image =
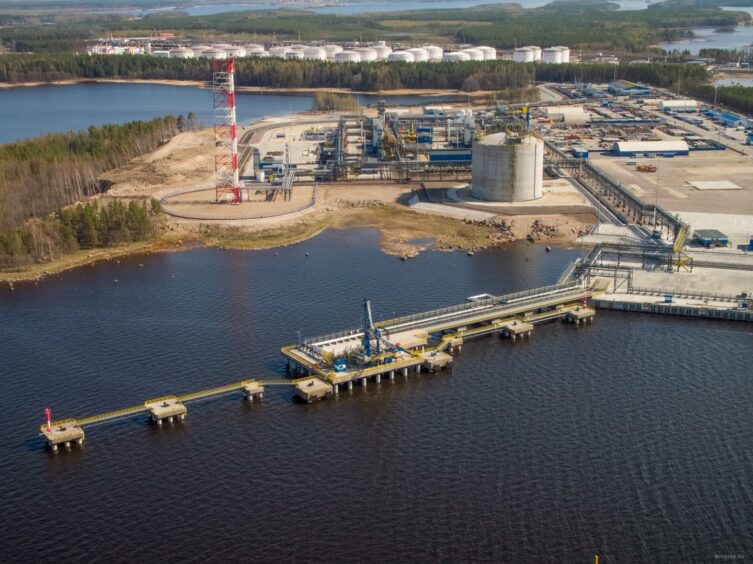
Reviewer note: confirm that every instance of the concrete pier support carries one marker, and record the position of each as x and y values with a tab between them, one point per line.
378	378
405	371
350	385
392	375
335	389
364	382
418	368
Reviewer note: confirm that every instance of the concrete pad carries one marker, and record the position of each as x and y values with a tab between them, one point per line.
714	185
312	388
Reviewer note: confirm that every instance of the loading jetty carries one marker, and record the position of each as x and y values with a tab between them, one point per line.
324	366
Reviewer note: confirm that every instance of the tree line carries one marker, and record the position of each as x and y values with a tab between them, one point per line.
278	73
85	226
40	175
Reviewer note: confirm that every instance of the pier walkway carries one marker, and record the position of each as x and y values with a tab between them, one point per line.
421	341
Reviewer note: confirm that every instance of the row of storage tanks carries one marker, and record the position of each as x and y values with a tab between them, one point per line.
379	52
533	53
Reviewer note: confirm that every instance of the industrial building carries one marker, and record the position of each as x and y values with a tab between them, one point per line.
643	148
567	115
710	238
683	106
507	168
627	88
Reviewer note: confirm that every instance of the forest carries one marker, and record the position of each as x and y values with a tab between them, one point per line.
277	73
85	226
43	174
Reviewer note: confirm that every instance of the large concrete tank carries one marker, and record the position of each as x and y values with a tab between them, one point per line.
383	52
435	53
552	55
367	54
347	57
507	169
420	54
404	56
536	50
278	51
315	53
332	50
456	57
523	55
565	53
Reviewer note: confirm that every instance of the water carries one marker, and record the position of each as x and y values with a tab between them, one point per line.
28	112
352	8
708	38
630	438
735	81
379	7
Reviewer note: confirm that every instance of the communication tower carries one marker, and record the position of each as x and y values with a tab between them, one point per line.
227	188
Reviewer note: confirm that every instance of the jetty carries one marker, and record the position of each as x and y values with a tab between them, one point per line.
324	366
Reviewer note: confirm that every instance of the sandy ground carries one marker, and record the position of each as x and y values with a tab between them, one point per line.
185	163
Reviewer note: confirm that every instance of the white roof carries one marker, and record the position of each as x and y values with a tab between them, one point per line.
651	146
678	103
552	110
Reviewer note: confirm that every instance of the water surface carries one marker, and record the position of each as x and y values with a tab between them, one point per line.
30	111
630	438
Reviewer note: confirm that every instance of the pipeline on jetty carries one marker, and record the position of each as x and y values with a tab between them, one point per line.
422	341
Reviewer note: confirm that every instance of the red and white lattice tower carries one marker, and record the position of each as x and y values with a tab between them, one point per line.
227	187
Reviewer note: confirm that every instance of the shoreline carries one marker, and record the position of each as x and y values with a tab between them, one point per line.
396	234
427	92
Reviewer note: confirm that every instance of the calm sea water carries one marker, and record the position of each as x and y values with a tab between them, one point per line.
28	112
631	438
709	38
376	7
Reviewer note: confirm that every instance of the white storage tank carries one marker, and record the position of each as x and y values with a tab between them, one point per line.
475	54
214	54
181	53
199	50
294	55
404	56
382	52
419	54
565	53
456	57
536	51
435	53
367	54
347	57
507	168
257	54
552	55
278	51
253	48
523	55
490	53
332	50
315	53
235	51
